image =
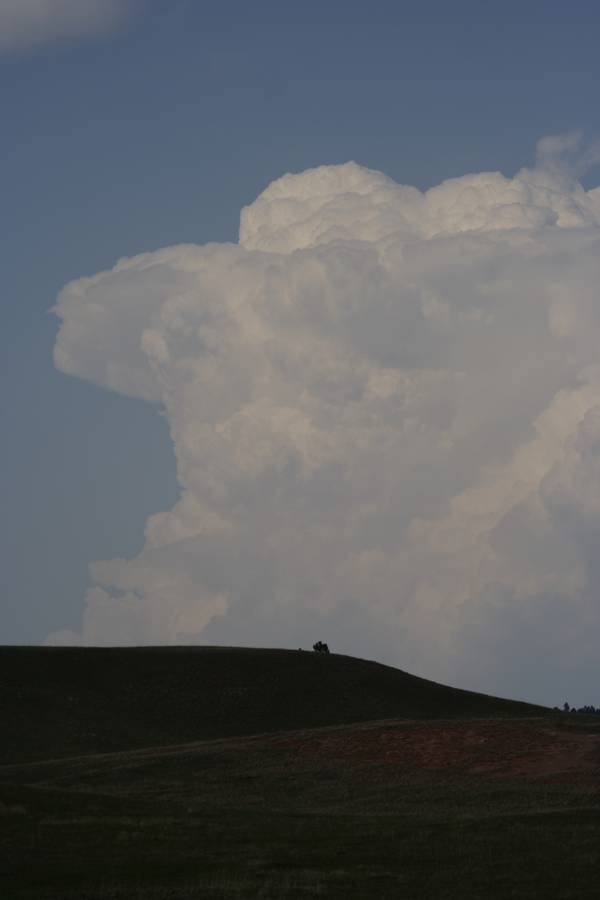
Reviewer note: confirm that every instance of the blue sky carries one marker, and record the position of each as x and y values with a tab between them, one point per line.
158	134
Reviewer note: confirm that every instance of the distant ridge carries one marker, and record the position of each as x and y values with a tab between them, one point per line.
60	701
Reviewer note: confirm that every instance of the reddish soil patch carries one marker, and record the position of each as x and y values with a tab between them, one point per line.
507	749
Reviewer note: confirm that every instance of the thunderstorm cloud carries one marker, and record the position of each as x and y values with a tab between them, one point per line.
385	411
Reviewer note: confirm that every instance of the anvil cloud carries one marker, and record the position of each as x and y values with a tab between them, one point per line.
385	410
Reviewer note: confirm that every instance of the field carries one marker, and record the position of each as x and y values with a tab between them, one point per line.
476	798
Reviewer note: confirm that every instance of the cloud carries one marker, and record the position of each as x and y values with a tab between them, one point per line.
25	24
385	411
562	156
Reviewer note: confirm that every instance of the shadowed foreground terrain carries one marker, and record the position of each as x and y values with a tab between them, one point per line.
66	701
436	794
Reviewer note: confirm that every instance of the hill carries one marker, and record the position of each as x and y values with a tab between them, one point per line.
59	702
225	773
455	809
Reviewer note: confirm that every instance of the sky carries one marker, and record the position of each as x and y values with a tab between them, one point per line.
374	420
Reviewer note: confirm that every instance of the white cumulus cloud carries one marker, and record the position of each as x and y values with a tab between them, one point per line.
29	23
385	410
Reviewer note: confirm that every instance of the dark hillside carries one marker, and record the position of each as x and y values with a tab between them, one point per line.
68	701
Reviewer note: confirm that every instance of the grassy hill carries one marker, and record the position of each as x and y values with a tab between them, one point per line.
57	702
232	774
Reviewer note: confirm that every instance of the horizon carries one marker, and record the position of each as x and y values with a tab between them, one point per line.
292	650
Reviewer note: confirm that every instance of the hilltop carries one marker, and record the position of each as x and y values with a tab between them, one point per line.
58	702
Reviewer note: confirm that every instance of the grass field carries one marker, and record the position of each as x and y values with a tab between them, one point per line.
490	805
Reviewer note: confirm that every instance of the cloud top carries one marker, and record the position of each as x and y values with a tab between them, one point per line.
26	24
349	202
384	406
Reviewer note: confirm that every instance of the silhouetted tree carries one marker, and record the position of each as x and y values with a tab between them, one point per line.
588	710
320	647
